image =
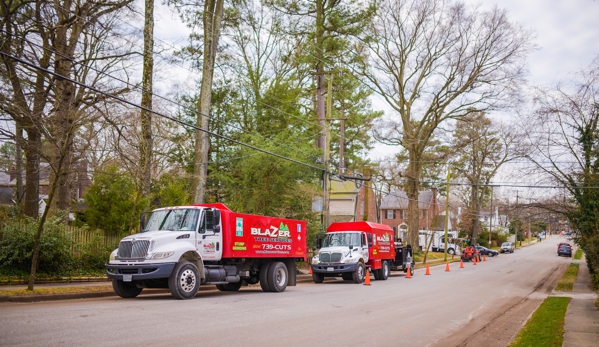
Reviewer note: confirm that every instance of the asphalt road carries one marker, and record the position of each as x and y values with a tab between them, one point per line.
445	308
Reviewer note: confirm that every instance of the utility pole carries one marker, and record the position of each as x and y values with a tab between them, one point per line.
342	140
491	216
447	214
518	216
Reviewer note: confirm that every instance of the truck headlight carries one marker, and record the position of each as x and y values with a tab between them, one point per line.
315	259
161	255
113	255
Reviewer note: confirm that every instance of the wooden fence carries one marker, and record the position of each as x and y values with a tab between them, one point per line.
82	238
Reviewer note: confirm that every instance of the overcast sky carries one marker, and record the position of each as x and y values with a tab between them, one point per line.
567	36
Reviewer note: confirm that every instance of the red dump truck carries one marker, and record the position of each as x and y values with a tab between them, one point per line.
348	248
181	247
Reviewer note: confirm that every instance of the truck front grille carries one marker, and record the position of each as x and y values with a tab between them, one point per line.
330	257
129	249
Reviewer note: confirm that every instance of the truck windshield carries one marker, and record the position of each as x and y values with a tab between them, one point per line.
341	239
175	220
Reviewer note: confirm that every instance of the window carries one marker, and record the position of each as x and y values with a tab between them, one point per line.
403	214
389	214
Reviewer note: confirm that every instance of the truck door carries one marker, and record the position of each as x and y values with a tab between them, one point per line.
210	237
364	247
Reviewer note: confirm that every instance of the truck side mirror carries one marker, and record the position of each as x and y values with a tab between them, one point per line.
216	218
143	220
318	242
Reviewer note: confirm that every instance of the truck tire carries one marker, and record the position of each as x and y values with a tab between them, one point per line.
184	282
125	289
229	287
377	274
385	271
278	277
317	278
451	251
358	275
264	277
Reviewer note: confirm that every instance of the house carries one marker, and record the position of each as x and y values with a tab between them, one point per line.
6	191
348	202
394	211
80	182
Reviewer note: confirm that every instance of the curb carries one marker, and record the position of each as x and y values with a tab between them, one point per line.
70	296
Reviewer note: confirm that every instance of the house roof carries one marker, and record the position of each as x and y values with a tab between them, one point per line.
343	190
398	200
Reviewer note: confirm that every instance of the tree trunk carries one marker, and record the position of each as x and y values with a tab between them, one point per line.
19	163
412	191
213	11
32	172
146	101
476	209
320	90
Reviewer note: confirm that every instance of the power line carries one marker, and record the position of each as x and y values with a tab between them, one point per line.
160	114
153	94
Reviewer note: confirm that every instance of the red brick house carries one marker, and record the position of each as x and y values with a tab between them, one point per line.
394	211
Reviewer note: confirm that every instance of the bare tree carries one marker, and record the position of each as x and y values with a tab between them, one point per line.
435	60
566	146
146	101
212	18
481	148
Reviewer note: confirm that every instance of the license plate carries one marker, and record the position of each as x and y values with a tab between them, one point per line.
127	278
330	269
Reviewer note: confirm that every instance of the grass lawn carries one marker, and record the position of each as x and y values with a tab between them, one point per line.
546	326
54	290
566	284
578	254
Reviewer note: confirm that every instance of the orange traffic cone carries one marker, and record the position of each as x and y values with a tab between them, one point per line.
474	260
447	266
408	275
310	272
461	264
367	278
484	257
428	270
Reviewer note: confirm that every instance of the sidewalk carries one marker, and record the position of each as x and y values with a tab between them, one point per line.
582	317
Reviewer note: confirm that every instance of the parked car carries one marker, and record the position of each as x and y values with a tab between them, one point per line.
507	247
564	250
486	251
562	243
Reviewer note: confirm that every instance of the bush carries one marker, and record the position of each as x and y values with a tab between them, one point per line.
94	255
17	241
111	202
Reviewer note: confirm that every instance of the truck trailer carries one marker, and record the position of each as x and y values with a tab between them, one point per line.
348	248
181	247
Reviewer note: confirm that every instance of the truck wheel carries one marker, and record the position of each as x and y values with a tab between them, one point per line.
385	271
317	278
264	277
358	275
229	287
377	274
125	289
450	251
278	277
184	282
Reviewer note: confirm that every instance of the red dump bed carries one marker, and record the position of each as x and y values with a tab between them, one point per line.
252	236
380	239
